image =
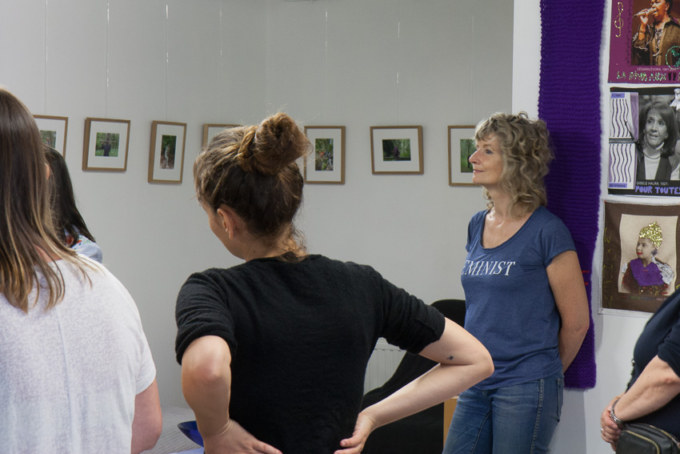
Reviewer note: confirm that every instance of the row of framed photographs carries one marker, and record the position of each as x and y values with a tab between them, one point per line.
394	149
106	140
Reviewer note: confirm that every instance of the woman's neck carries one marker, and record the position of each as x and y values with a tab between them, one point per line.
652	152
258	248
503	209
662	22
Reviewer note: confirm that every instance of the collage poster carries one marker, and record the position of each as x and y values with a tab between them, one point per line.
640	267
644	141
644	43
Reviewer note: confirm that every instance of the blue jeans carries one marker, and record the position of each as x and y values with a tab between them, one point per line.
517	419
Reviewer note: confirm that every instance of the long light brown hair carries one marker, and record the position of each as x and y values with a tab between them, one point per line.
27	238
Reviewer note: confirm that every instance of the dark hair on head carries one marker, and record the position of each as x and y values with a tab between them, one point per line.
66	218
526	154
252	170
27	237
668	117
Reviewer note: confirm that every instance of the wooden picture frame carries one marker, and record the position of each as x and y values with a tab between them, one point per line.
53	130
166	152
397	149
105	144
210	130
325	164
461	146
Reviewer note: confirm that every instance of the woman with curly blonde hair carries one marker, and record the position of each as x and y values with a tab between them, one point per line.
525	297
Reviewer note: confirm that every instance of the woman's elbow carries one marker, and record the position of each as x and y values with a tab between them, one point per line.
581	326
484	363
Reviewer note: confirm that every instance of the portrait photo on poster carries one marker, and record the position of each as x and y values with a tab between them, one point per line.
640	255
644	45
644	141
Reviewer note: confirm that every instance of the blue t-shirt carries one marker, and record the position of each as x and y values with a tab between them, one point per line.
510	307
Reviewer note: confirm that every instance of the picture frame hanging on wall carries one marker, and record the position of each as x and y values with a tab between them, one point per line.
53	130
105	144
639	278
325	164
210	130
397	149
461	147
166	153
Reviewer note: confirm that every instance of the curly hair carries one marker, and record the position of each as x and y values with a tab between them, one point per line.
252	170
526	154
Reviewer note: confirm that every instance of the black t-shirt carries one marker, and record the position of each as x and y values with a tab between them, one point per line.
300	336
661	336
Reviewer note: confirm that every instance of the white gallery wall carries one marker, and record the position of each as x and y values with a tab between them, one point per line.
357	63
615	331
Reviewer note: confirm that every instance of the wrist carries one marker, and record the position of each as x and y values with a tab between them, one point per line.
612	415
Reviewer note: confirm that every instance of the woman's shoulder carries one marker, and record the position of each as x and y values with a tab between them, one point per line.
477	219
547	218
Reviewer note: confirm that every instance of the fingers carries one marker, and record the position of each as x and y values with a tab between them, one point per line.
355	443
609	435
350	446
264	448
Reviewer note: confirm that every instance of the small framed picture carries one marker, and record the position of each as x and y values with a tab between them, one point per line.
210	130
105	144
461	147
397	149
166	155
326	162
53	131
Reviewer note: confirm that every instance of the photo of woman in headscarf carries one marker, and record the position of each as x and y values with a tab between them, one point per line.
647	275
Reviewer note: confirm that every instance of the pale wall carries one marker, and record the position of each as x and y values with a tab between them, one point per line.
615	331
355	63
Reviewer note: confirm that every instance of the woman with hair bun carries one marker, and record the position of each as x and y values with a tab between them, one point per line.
524	294
274	350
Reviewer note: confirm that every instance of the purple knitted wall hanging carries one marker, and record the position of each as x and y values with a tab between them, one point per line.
569	103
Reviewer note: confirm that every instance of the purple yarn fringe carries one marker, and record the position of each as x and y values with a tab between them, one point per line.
569	103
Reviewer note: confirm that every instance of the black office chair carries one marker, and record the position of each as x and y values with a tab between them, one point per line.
422	432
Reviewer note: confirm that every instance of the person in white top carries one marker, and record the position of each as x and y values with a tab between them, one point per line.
76	371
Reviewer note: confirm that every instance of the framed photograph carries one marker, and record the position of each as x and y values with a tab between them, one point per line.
166	155
461	147
326	162
105	144
210	130
53	131
397	149
640	255
641	158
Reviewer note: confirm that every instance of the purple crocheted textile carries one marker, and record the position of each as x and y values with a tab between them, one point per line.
569	103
